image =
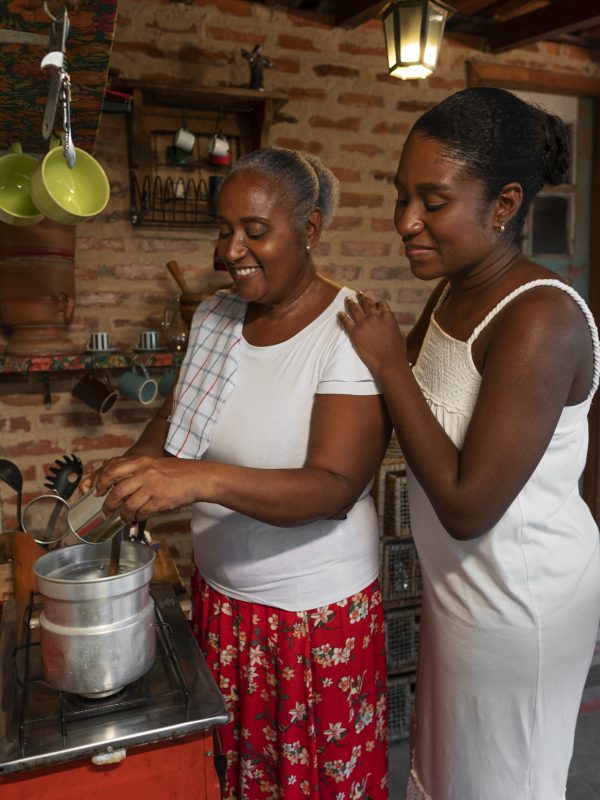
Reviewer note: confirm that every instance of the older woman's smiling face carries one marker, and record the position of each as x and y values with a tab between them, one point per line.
264	252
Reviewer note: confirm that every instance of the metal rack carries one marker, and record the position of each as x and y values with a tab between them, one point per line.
181	194
170	202
401	586
171	188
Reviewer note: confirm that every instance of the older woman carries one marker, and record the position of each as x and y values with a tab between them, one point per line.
277	428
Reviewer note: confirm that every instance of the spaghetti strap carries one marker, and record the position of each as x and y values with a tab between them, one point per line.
559	285
441	298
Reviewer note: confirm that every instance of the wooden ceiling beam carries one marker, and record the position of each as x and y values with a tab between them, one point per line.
554	20
352	13
514	8
471	6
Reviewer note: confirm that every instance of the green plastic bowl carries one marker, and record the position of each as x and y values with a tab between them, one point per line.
69	195
16	205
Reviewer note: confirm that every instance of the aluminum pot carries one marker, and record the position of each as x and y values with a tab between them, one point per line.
97	633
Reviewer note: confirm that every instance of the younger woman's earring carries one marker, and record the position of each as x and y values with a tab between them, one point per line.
308	248
499	228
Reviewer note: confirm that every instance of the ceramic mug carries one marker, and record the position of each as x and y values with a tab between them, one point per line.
16	205
69	195
165	384
218	145
98	395
138	385
175	156
148	341
218	150
99	342
184	140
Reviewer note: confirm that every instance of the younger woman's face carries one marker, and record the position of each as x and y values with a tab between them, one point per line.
446	226
265	254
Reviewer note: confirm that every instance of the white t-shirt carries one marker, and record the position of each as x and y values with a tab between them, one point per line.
265	423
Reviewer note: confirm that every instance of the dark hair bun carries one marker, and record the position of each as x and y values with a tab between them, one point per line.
556	151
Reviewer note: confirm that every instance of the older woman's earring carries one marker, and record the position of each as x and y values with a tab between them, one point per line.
499	228
308	248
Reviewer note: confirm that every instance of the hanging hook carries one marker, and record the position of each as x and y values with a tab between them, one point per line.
219	122
55	59
48	12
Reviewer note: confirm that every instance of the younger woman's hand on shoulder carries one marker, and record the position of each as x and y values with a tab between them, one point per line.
374	333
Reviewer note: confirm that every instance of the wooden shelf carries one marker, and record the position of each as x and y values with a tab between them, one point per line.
242	115
73	362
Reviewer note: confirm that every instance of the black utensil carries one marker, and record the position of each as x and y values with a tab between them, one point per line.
11	475
65	477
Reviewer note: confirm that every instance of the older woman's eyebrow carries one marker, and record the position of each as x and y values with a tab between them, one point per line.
245	220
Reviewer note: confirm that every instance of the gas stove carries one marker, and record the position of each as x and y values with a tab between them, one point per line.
40	726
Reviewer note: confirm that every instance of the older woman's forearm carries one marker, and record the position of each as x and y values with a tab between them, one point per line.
152	440
282	497
143	485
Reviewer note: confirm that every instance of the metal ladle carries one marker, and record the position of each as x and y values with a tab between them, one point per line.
69	148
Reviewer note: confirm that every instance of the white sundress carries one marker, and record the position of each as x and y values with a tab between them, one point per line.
510	618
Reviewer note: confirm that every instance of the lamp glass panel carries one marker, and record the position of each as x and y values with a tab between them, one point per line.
390	40
410	34
436	18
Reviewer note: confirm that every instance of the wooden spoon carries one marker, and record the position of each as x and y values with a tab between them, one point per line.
175	271
115	553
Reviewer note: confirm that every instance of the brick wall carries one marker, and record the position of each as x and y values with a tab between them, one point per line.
342	106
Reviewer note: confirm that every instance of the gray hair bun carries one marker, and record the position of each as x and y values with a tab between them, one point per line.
306	182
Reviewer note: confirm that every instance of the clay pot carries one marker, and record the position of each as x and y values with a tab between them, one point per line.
188	301
37	287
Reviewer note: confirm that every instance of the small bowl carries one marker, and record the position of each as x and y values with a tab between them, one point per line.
16	205
69	195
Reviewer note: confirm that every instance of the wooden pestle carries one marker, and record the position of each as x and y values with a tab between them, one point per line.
175	271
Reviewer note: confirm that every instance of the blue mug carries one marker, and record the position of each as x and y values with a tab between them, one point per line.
138	385
165	384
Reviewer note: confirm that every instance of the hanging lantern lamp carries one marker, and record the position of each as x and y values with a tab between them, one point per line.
413	31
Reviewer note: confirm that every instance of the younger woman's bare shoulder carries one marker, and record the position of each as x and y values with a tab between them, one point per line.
546	325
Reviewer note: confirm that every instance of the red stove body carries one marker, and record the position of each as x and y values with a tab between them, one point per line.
175	771
151	741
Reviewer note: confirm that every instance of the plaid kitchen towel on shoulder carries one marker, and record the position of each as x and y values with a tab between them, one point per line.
207	375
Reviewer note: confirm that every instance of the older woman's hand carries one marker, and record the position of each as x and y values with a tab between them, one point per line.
143	485
375	334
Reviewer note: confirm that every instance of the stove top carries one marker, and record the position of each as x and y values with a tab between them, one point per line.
40	726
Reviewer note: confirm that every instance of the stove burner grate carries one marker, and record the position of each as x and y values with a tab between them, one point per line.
163	686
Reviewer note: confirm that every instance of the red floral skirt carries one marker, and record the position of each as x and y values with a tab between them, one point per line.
307	694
